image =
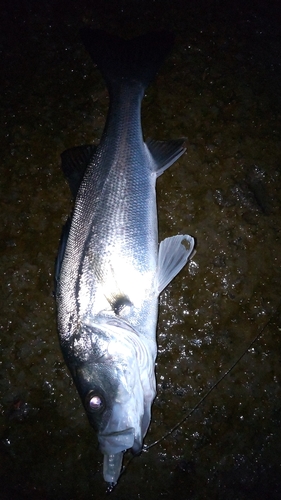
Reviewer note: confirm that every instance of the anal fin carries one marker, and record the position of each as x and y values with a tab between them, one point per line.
165	153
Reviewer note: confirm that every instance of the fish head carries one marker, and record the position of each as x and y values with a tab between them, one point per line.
113	370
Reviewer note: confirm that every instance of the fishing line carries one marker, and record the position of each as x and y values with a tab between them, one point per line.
147	447
259	334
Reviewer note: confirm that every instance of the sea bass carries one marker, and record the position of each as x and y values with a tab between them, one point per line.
110	269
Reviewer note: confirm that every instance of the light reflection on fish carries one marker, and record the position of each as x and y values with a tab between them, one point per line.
110	269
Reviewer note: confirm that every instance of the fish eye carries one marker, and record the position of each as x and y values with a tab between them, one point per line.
94	402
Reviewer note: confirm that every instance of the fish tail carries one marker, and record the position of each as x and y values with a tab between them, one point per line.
120	61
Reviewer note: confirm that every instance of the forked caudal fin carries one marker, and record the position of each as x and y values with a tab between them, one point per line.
127	61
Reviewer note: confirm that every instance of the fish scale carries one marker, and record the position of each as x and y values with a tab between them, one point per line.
110	269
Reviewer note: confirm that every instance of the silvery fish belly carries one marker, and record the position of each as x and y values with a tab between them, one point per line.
110	269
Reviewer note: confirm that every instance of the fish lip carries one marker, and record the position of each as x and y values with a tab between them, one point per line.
136	449
116	442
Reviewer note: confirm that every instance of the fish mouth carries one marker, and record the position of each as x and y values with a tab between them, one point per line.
115	442
113	446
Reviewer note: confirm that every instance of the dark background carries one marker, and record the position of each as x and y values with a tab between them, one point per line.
220	88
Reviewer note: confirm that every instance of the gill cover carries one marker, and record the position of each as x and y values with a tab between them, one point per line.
117	387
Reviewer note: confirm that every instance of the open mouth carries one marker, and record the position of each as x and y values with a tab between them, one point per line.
113	446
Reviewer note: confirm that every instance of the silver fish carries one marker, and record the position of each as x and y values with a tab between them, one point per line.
110	269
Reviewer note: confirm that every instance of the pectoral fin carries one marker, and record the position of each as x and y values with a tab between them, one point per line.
173	254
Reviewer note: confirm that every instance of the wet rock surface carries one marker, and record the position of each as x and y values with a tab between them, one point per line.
220	88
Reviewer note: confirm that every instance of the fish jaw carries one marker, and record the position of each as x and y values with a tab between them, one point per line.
112	467
114	444
117	387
